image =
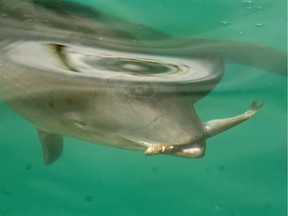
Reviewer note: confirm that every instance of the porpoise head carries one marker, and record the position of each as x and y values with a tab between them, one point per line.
80	75
155	117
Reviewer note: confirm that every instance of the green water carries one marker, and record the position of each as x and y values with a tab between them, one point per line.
244	171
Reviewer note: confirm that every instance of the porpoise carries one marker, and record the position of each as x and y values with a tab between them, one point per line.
73	72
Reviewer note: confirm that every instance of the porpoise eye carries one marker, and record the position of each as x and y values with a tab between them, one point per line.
51	104
79	123
69	101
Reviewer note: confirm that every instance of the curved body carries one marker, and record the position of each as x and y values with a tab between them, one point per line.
75	71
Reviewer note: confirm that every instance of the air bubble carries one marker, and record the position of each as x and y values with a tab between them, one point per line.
259	25
248	2
241	33
259	8
225	22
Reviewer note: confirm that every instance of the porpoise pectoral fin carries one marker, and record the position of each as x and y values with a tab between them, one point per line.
151	148
195	150
52	145
214	127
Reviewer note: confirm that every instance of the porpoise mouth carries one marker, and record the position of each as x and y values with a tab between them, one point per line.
194	150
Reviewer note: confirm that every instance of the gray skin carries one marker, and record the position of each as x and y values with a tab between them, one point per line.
156	117
148	121
131	115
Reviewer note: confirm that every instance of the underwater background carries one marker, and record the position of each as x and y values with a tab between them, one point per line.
244	171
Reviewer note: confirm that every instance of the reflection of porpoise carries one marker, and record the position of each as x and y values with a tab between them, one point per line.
117	92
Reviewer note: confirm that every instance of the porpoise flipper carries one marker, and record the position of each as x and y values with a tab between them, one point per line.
52	145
